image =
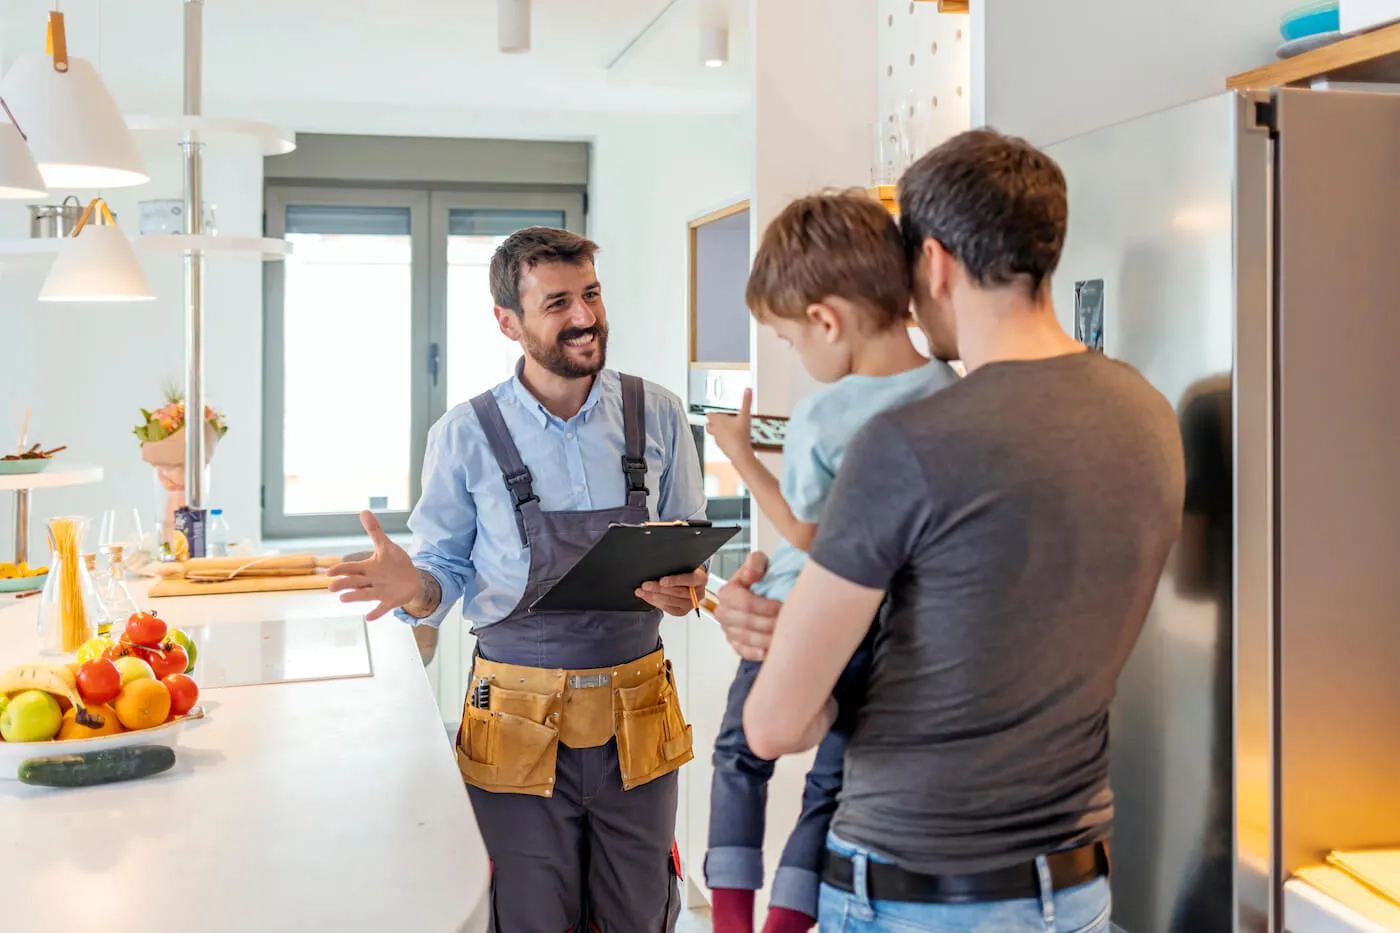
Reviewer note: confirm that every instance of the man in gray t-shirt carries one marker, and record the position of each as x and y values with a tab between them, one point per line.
1019	523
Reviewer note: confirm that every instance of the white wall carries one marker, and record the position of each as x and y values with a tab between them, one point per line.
1054	70
649	176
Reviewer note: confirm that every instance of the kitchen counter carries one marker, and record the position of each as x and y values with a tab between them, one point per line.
324	805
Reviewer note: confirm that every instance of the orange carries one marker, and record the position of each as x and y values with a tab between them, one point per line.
70	729
143	704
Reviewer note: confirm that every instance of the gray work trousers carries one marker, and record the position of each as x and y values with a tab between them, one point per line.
590	857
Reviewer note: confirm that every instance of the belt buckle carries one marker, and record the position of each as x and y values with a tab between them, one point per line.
586	681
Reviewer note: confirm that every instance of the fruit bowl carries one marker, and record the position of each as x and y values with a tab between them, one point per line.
23	584
13	754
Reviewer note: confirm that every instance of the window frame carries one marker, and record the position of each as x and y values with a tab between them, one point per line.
430	208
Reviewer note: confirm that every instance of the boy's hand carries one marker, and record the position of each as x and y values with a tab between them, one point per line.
733	433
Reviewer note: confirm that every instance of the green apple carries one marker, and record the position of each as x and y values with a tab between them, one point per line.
184	641
4	702
32	716
133	669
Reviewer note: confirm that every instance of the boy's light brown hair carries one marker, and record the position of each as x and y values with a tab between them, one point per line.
843	244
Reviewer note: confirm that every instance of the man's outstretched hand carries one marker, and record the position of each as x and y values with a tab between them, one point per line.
388	577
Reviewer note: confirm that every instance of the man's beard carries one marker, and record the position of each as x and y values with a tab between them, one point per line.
555	357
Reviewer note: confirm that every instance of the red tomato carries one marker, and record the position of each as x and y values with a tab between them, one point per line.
144	628
99	681
184	693
116	650
173	661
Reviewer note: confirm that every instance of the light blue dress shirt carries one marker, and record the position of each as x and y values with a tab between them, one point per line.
818	433
464	529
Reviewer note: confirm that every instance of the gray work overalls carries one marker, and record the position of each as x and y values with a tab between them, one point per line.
586	851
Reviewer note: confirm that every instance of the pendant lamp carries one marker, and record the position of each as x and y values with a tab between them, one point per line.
74	127
96	263
19	174
513	25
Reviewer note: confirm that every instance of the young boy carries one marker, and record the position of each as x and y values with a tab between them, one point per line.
832	280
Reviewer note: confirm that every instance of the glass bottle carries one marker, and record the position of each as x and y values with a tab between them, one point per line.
69	608
112	589
102	622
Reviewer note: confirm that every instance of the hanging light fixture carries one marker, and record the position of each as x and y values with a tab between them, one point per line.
513	25
714	44
19	173
96	263
74	127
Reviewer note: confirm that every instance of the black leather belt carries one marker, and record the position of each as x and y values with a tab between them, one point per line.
1068	869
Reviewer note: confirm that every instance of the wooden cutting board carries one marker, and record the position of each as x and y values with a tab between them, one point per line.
183	587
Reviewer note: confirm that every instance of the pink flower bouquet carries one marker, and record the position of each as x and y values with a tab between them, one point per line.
162	436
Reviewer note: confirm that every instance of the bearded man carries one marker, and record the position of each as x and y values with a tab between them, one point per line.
575	797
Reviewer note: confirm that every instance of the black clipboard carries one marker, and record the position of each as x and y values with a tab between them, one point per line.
626	556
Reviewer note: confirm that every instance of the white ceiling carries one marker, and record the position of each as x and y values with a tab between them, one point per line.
418	54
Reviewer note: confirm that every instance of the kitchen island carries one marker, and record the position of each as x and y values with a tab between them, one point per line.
319	805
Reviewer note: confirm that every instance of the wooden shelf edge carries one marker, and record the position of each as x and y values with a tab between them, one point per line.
950	6
737	367
1356	52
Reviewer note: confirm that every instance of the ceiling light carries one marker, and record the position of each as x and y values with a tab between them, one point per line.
714	45
19	174
73	126
513	26
96	264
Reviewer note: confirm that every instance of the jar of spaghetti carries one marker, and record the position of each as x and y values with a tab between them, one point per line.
69	609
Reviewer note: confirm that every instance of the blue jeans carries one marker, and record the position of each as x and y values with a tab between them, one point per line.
1084	909
739	796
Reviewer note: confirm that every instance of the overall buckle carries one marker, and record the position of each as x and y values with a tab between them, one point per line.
522	487
636	470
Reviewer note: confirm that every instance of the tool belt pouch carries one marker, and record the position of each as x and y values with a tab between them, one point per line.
511	747
653	738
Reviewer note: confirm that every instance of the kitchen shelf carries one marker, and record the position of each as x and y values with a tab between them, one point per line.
272	140
737	367
1370	58
178	242
50	478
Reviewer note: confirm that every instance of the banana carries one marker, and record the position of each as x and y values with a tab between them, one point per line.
50	678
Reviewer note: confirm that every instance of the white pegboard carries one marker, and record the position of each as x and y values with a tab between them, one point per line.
925	63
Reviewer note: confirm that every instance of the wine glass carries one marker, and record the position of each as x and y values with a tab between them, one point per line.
122	527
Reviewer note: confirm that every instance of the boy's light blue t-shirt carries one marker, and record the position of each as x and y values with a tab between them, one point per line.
820	429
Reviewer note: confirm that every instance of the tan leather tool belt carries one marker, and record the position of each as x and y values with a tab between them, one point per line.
511	745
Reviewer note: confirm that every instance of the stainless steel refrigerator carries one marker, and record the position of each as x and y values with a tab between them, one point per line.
1243	252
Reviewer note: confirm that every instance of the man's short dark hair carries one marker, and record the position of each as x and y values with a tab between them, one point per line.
525	249
996	203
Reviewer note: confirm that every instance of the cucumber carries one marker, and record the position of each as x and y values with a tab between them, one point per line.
89	768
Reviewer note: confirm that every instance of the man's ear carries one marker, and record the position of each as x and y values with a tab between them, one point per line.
509	322
826	319
938	264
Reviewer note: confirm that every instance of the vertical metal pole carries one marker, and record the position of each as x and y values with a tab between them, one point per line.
193	151
21	525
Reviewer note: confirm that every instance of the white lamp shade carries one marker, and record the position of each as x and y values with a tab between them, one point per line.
19	173
75	129
98	264
513	25
714	45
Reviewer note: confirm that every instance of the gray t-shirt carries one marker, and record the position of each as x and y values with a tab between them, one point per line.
1020	521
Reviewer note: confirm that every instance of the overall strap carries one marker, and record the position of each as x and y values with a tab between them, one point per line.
513	469
634	422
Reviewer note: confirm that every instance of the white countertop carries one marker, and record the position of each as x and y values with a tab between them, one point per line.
326	805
